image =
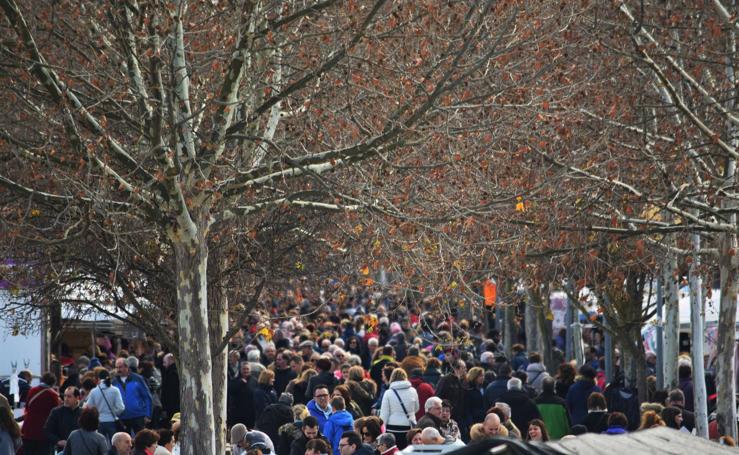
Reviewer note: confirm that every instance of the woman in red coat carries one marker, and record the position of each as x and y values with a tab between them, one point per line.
39	403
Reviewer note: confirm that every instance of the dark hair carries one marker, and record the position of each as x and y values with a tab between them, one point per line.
542	426
433	362
618	418
566	373
518	348
676	395
352	438
88	384
310	421
318	445
547	384
577	430
534	357
684	371
668	415
587	371
596	400
104	376
338	403
323	364
48	379
75	391
373	425
165	436
522	375
387	350
8	423
145	438
89	419
411	434
504	371
446	404
319	386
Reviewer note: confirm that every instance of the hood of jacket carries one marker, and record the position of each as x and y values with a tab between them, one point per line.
342	418
400	385
416	381
536	368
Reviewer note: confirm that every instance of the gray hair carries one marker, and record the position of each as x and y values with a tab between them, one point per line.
386	439
355	360
253	356
431	402
133	363
430	433
515	384
118	437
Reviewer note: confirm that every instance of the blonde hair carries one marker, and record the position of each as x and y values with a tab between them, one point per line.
474	373
398	374
265	376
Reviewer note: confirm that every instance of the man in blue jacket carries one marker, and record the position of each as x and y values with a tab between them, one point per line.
136	397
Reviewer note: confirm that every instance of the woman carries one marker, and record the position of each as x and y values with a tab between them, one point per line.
351	405
317	447
399	407
673	417
363	390
537	431
473	399
264	394
597	419
145	442
299	386
650	419
565	378
10	432
109	403
86	440
371	430
414	437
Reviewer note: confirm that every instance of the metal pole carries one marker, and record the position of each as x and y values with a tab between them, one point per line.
660	336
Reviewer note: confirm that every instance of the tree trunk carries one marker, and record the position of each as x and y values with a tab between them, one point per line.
218	322
670	281
196	386
639	366
725	364
530	310
697	332
544	328
509	326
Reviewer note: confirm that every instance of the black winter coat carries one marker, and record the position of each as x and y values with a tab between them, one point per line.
272	418
523	408
61	422
171	390
241	402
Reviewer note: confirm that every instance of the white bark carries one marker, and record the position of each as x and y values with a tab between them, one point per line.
671	321
697	318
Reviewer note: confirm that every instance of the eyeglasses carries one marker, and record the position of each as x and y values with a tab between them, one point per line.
341	446
324	395
365	434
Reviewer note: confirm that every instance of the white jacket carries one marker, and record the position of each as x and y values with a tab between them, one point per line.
109	409
391	411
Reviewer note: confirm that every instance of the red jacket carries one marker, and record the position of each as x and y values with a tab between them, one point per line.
425	391
41	400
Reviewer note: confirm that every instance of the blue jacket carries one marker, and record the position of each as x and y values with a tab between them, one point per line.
615	429
519	362
136	396
495	390
337	424
318	414
577	399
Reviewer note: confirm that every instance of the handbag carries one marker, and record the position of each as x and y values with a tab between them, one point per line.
118	424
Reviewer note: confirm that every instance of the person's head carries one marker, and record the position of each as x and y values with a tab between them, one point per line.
491	425
504	371
446	411
299	411
121	367
433	406
727	441
414	436
547	385
596	402
398	374
270	351
338	403
676	398
431	435
71	397
577	430
537	431
245	370
317	447
133	363
515	384
459	368
618	419
166	439
385	441
356	373
684	371
310	427
238	433
566	372
323	364
321	396
168	360
475	376
122	443
673	417
146	439
518	348
282	360
587	372
89	419
349	443
371	429
342	390
48	379
651	419
534	357
266	377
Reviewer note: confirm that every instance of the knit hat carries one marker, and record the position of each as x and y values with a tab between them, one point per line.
395	328
238	432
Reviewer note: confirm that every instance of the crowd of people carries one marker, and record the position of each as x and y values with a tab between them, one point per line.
354	379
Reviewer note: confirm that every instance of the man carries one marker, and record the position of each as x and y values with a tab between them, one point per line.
306	350
324	377
319	406
386	444
166	442
24	385
553	409
431	436
388	355
269	353
310	431
351	444
536	372
41	400
283	373
63	419
234	358
676	399
296	364
136	396
498	386
491	425
450	388
121	444
170	394
523	409
241	397
432	415
685	376
276	415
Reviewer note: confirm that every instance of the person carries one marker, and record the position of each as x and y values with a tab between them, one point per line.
474	398
523	408
536	372
170	390
565	378
237	439
121	444
319	407
318	447
309	431
399	406
451	388
431	436
24	386
166	442
10	433
338	423
343	391
432	414
276	415
491	425
363	390
324	378
597	419
685	378
351	444
449	428
537	431
503	410
109	403
414	437
283	373
676	399
553	409
145	442
651	419
86	440
498	386
299	385
617	424
423	389
432	373
386	444
41	400
240	396
63	419
673	417
370	428
135	394
264	395
577	396
289	432
519	362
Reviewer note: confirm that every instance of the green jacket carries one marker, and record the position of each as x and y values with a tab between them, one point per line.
553	410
